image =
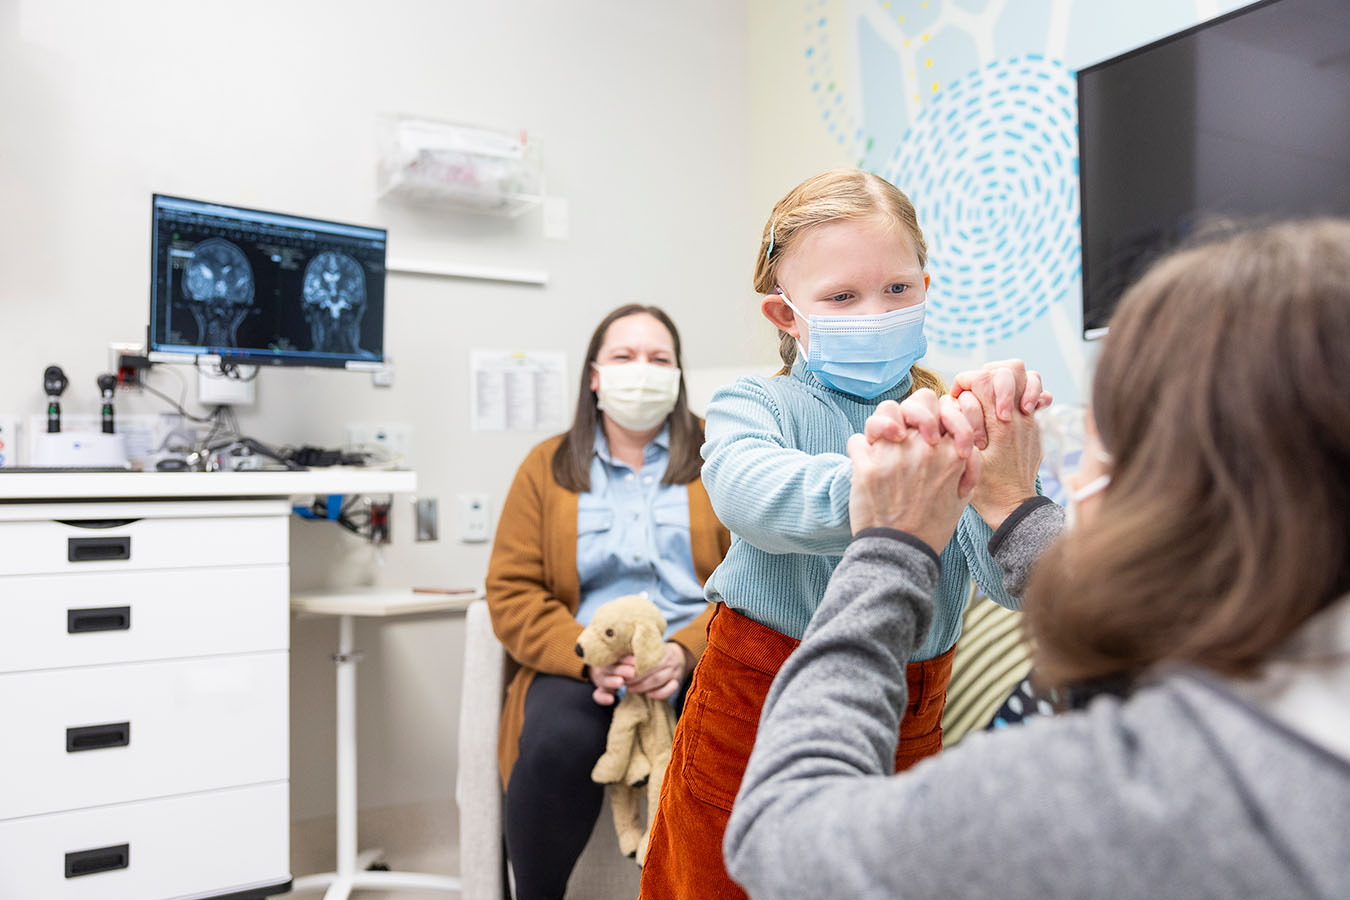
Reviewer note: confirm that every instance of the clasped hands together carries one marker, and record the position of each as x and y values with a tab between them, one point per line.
919	462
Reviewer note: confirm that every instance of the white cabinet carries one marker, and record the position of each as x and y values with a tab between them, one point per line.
144	698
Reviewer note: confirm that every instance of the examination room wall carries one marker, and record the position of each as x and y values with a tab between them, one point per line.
642	115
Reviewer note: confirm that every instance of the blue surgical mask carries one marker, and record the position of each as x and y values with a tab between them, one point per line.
864	356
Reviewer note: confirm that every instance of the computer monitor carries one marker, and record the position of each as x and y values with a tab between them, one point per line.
255	287
1242	118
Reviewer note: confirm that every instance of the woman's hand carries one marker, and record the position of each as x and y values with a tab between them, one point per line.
907	482
608	679
995	391
658	682
1005	431
663	679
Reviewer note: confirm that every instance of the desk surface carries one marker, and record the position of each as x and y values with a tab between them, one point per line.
58	485
384	601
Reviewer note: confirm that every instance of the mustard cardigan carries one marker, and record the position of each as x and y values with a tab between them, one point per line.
533	589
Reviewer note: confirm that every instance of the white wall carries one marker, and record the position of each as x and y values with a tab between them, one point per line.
642	113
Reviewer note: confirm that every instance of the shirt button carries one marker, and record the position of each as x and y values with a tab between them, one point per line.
648	479
637	558
628	477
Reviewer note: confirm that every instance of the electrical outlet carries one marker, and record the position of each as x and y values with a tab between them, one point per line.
217	389
385	442
128	378
474	523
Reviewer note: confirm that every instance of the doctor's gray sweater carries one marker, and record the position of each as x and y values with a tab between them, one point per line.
1184	790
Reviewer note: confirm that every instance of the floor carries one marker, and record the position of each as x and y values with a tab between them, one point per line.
416	838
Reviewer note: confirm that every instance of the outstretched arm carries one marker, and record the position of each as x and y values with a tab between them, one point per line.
780	499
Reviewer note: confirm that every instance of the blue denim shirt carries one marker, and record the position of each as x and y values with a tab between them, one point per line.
633	536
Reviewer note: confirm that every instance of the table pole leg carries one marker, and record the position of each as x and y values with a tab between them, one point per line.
346	660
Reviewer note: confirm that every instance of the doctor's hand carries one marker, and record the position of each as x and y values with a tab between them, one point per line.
663	679
912	485
1006	432
995	392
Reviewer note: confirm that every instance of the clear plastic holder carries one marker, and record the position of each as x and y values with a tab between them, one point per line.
458	166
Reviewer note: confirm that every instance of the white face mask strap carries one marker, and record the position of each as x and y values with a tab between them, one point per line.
792	306
1095	486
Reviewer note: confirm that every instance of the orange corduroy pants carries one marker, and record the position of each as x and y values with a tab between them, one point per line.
712	746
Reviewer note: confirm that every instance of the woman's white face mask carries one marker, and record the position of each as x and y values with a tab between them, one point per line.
1094	473
637	395
1092	488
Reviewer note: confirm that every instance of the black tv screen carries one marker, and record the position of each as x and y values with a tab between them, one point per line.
250	286
1242	118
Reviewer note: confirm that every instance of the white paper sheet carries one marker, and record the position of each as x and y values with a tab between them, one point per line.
518	391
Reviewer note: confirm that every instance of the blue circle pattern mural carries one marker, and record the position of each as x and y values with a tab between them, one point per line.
970	107
991	163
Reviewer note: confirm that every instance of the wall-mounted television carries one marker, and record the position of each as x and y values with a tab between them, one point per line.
1242	118
248	286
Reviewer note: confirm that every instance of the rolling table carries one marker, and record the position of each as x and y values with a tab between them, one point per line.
352	865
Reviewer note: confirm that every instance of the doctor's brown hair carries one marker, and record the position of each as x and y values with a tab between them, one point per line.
828	197
1223	396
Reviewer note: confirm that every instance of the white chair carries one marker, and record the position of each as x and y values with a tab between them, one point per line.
601	873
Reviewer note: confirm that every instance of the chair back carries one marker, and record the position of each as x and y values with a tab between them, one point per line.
602	872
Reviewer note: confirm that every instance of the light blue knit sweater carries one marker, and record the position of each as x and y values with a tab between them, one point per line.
775	469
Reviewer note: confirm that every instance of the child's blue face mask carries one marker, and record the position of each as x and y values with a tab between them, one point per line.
864	356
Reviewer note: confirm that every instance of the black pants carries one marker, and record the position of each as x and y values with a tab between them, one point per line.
551	802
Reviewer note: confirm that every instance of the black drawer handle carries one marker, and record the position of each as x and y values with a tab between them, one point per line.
100	859
97	523
95	549
98	737
98	618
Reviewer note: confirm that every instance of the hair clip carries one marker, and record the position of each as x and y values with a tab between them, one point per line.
768	253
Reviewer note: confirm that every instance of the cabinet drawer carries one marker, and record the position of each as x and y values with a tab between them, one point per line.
108	734
94	618
200	845
117	544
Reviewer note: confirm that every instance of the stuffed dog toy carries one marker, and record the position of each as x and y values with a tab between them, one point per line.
642	730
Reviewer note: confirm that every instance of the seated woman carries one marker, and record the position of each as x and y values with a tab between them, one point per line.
1206	575
613	506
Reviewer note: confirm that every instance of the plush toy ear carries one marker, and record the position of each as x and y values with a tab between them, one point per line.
648	647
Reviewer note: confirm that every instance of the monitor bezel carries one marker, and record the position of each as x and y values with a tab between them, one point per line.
1097	332
167	353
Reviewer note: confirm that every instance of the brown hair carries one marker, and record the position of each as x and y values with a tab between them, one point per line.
1223	396
827	197
572	459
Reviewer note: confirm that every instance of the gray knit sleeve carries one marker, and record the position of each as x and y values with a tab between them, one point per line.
1023	538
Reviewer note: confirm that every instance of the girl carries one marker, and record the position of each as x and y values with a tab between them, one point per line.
841	271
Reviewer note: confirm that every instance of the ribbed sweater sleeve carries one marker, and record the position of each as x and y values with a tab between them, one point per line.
537	627
775	497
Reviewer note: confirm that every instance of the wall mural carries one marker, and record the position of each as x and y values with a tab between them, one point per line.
970	107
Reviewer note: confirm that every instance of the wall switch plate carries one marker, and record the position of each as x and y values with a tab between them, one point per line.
384	375
217	389
474	523
9	441
386	442
427	529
